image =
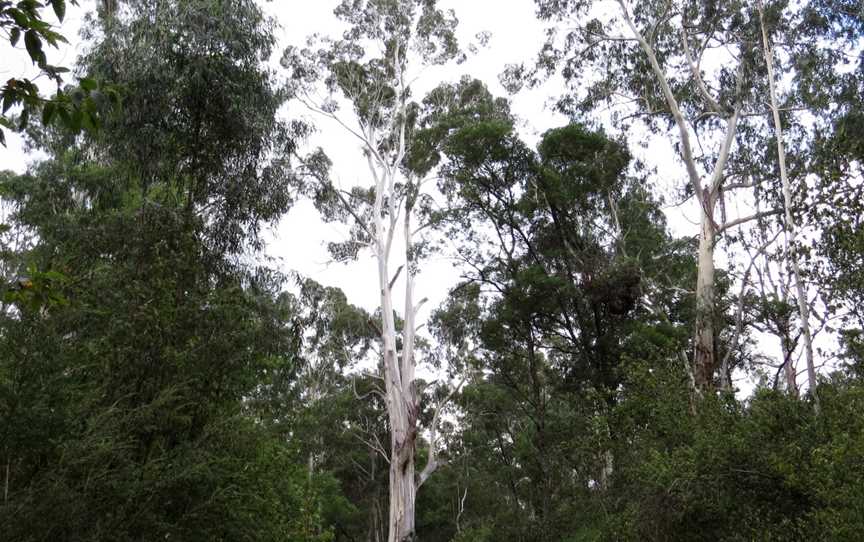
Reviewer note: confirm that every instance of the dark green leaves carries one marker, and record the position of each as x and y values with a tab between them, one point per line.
36	290
220	145
48	113
25	18
8	101
33	43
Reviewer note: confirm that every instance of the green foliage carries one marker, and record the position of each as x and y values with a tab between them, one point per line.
137	342
550	313
741	472
218	149
74	108
770	469
36	290
148	368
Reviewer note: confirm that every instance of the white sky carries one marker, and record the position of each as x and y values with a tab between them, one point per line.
299	240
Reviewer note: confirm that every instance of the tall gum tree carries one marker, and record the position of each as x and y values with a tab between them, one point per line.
151	333
682	66
363	83
790	230
805	57
556	299
697	71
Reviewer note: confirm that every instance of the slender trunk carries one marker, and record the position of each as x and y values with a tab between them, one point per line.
790	230
403	483
377	523
460	509
704	358
402	409
402	427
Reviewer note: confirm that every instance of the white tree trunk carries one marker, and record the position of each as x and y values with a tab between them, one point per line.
402	496
791	229
392	201
402	406
704	359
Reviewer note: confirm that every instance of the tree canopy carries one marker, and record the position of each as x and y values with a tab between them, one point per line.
596	372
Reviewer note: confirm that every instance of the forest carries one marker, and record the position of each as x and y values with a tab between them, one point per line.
635	345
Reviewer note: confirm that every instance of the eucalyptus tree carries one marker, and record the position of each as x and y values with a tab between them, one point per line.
364	82
790	227
557	212
693	68
225	159
135	379
811	65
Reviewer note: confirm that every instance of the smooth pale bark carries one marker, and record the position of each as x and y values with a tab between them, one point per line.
400	389
401	401
704	359
790	232
461	509
398	374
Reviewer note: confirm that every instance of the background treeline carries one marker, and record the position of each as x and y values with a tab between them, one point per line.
159	380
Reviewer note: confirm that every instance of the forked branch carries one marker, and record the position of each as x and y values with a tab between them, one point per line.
433	462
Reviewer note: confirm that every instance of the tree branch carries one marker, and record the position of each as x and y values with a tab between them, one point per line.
432	463
697	76
739	314
671	102
742	220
